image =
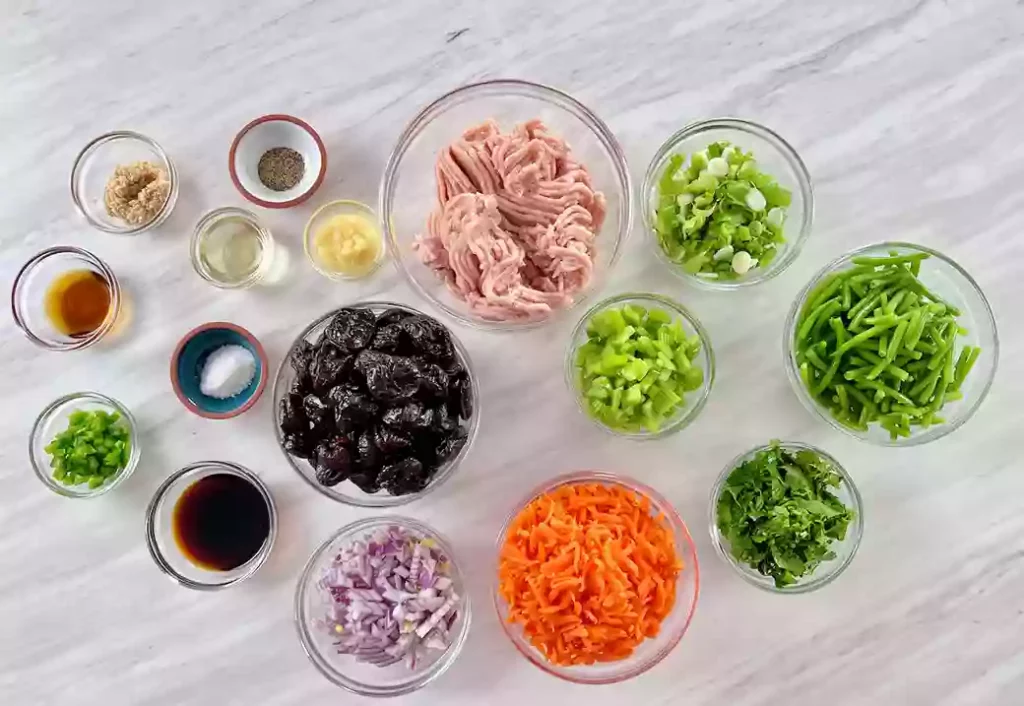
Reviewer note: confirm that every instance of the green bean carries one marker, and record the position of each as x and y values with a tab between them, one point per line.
876	346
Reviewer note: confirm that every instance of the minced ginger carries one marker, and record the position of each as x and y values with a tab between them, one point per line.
136	192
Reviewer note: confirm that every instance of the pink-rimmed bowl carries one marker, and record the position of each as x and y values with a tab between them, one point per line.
652	650
190	356
267	132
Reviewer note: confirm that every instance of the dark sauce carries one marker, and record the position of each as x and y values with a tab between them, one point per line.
220	522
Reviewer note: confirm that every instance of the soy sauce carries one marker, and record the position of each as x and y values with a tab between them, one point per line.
220	522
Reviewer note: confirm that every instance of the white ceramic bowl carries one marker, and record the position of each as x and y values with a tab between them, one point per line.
265	133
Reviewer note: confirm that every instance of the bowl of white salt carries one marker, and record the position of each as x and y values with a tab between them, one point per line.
218	370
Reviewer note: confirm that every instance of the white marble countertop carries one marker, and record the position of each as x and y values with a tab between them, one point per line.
908	115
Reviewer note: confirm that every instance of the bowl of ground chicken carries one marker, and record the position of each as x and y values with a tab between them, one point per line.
124	183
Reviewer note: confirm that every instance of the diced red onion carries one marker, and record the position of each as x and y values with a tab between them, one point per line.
391	598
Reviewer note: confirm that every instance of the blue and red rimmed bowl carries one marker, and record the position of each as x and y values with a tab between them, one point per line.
190	356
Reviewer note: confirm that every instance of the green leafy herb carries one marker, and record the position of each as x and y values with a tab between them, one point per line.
779	514
719	216
92	450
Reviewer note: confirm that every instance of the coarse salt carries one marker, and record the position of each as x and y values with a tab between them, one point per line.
228	370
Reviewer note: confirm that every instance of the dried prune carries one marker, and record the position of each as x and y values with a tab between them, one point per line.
333	461
460	396
433	380
367	454
389	442
428	336
410	417
301	357
317	412
366	482
388	339
390	316
449	446
351	330
405	476
299	443
352	407
389	378
329	367
292	414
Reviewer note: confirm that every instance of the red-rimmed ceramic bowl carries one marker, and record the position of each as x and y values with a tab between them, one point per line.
190	356
265	133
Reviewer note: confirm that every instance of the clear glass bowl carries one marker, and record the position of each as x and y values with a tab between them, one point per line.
205	232
693	401
346	491
160	528
408	191
28	297
652	650
951	282
344	670
827	571
54	419
96	163
324	214
774	156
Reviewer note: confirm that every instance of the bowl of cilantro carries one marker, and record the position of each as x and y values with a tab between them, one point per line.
786	516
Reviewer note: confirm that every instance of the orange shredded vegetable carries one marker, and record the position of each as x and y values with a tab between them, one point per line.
588	572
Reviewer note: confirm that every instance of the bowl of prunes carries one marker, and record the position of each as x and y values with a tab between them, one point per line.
375	404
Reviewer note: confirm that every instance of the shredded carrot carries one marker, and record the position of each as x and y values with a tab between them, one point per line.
588	572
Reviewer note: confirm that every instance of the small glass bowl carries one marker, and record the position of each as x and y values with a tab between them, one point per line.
693	402
54	419
96	163
408	191
346	492
652	650
28	297
344	670
774	155
325	213
160	530
951	282
203	231
827	571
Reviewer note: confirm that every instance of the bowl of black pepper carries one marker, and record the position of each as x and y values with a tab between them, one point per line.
277	161
375	404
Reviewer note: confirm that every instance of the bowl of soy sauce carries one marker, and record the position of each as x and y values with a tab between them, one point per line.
211	525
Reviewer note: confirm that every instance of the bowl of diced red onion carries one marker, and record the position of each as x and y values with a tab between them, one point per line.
381	608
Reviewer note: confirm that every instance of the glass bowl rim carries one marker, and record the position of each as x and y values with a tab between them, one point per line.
215	467
98	398
383	501
674	521
789	331
351	205
440	666
782	147
691	319
855	531
203	226
102	269
459	95
90	149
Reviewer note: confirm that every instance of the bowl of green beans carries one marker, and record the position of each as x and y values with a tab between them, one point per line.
84	445
892	343
640	366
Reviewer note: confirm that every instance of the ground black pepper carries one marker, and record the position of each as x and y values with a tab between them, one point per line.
281	168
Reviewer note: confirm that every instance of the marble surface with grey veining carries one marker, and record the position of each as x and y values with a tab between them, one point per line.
909	115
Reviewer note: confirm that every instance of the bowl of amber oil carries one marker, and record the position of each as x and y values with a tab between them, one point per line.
65	298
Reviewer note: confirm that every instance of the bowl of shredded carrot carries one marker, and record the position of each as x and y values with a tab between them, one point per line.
596	577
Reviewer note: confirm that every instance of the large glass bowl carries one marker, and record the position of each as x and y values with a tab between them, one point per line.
827	571
951	282
652	650
346	491
774	156
693	401
408	191
344	670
